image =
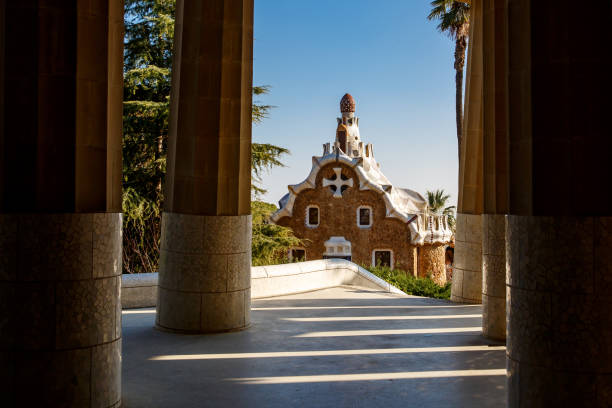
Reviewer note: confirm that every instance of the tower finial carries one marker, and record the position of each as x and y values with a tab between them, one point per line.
347	103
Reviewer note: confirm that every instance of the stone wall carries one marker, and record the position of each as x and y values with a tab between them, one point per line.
138	290
270	280
338	217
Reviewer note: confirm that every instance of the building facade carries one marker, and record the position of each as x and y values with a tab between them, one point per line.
347	208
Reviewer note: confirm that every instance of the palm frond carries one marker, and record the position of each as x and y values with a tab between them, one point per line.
453	16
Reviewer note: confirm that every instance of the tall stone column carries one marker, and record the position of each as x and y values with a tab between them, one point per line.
205	264
495	169
467	268
60	203
559	231
494	276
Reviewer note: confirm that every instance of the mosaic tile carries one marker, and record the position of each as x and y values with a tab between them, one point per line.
179	310
239	271
223	311
105	365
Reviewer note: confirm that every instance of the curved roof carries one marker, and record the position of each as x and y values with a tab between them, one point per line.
404	204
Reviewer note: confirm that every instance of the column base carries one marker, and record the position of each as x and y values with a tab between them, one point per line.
195	332
467	265
60	309
559	311
204	274
494	276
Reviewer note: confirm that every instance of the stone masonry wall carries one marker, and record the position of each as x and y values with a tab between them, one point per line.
431	263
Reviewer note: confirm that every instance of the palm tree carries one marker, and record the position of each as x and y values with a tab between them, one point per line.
454	17
436	201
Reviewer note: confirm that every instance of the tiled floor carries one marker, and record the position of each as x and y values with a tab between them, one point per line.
339	347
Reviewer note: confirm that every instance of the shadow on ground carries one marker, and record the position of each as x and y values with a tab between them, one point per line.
339	347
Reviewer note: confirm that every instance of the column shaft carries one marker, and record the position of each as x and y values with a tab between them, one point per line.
60	202
494	276
559	308
205	264
495	169
467	268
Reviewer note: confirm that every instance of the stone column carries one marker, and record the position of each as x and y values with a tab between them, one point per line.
494	276
467	268
495	169
432	263
205	264
60	203
467	265
559	232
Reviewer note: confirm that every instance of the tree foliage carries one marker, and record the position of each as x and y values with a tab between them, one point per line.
453	17
149	36
270	242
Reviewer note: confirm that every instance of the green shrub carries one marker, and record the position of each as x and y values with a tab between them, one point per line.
271	242
411	285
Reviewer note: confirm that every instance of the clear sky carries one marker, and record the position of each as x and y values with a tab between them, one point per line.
386	54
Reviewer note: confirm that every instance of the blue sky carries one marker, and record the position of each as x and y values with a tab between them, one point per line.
386	54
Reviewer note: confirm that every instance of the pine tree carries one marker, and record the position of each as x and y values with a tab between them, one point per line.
149	36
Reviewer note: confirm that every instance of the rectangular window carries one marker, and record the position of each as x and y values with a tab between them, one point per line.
382	258
313	216
364	217
298	254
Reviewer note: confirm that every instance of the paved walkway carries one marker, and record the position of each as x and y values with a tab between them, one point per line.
340	347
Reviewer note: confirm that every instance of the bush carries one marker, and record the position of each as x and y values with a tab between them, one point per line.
271	242
411	285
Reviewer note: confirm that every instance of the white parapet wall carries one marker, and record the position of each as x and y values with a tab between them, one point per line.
286	279
140	290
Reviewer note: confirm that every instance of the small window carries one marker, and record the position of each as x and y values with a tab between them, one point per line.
382	257
364	217
297	254
312	216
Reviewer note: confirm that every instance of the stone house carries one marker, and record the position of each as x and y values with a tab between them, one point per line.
347	208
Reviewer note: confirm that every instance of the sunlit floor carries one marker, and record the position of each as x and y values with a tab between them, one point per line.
340	347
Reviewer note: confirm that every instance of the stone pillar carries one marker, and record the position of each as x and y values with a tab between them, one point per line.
495	169
432	263
205	264
60	203
559	231
494	276
467	268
